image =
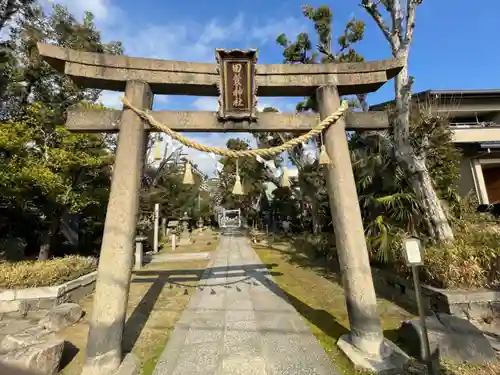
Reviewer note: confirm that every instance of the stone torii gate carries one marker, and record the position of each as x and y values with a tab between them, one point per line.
140	79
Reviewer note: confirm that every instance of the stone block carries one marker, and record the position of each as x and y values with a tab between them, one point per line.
48	292
203	335
197	359
81	292
13	326
42	304
479	310
242	341
9	306
30	336
455	338
62	316
82	281
239	316
243	365
42	358
280	323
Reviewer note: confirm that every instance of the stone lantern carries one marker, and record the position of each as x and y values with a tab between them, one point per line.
185	238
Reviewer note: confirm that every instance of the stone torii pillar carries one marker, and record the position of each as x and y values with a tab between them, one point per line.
365	345
104	344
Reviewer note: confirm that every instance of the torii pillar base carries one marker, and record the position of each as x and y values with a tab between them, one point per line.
391	357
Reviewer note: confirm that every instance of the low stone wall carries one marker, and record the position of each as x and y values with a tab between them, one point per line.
44	298
469	304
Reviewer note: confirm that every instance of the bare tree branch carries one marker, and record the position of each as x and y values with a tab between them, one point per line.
373	11
395	10
411	11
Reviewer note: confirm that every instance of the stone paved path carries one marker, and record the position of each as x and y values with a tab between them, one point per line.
241	323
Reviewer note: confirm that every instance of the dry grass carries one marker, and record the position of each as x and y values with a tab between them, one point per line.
32	273
153	310
471	261
318	297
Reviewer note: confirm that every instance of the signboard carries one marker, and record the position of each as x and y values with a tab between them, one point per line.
237	88
413	252
172	224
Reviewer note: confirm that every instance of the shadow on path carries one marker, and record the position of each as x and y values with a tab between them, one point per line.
260	273
186	279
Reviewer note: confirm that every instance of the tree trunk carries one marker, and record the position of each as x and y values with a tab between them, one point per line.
48	238
314	215
413	164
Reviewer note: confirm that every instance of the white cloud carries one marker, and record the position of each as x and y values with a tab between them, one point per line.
206	103
186	41
161	99
111	99
214	32
103	10
205	161
269	31
281	104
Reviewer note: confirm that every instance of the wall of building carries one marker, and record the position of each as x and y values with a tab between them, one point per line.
466	183
473	163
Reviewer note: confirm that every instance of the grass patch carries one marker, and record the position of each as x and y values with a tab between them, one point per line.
317	295
33	273
153	310
204	242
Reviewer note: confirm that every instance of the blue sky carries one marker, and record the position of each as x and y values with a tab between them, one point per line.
454	43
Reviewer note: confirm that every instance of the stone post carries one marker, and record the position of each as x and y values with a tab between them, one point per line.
174	245
163	227
104	343
156	238
139	252
364	345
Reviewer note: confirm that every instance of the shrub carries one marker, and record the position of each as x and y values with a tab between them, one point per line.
471	261
317	246
28	274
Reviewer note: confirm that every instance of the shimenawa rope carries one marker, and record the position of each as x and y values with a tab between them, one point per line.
241	153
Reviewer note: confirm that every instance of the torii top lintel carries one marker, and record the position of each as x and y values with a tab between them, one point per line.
110	72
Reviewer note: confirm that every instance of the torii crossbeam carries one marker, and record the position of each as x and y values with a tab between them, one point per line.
236	79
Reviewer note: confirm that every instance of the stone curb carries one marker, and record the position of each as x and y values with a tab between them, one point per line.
13	300
472	304
129	366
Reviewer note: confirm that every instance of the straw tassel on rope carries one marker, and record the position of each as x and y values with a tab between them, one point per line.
157	151
285	178
237	189
323	156
324	159
188	174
